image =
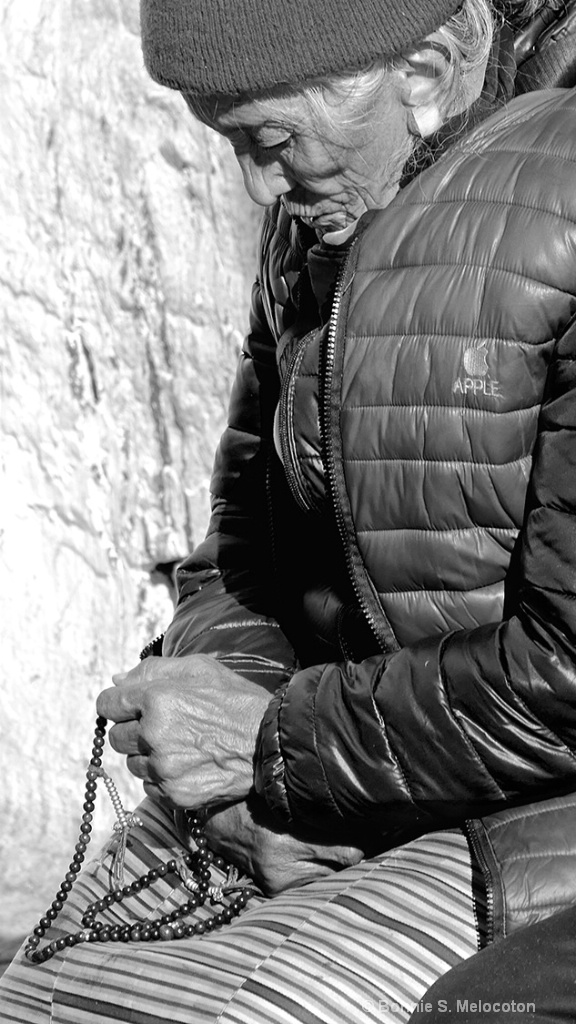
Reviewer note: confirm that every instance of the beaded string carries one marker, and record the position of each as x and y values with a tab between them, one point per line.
193	870
125	821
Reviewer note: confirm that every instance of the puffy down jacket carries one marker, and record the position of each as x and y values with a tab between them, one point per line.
393	540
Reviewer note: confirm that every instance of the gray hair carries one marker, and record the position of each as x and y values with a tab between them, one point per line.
465	40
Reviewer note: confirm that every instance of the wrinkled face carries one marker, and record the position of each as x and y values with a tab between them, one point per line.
328	167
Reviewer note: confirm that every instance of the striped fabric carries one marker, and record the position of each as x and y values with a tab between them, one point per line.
360	946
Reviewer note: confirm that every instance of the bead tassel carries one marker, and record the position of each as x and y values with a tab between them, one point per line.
192	868
126	821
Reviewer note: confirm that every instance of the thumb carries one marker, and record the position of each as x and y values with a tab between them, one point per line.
348	854
344	855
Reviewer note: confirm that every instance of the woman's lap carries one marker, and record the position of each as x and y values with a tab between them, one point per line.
362	945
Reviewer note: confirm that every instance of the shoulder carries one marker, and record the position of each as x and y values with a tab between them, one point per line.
524	150
480	249
502	197
544	119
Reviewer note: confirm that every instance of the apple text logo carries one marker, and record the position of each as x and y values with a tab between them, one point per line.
478	380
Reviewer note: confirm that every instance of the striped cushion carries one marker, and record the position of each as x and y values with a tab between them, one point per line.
361	945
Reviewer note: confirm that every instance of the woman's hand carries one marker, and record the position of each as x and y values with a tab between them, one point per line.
188	727
245	834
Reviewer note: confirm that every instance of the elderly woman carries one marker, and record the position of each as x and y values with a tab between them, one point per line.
369	685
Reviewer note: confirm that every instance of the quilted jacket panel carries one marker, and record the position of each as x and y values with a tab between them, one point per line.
461	718
453	488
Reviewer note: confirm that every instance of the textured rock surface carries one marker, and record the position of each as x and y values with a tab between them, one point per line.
126	257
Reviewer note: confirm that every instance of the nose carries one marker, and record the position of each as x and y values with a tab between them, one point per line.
265	180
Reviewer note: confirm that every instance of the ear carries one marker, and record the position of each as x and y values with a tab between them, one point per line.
423	73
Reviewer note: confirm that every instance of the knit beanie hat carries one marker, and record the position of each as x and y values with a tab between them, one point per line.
247	46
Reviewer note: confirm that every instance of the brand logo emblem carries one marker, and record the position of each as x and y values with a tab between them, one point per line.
478	380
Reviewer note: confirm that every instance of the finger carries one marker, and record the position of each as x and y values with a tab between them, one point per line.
139	765
158	792
127	738
119	704
342	855
153	791
124	700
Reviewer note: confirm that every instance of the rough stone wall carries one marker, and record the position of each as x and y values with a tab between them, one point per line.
127	251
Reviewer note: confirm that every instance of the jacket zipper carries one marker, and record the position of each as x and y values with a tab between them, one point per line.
474	841
286	435
156	643
385	637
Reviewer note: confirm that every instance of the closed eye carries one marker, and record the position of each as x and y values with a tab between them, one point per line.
266	146
261	143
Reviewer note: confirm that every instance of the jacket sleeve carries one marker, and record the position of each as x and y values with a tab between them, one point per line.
461	724
225	595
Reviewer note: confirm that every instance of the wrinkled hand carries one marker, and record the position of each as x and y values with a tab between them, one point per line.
245	834
188	727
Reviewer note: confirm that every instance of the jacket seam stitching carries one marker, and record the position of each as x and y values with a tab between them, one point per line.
562	903
231	659
549	730
444	462
389	594
242	624
493	827
459	719
490	268
545	855
496	339
318	755
439	529
220	627
457	409
479	199
279	781
395	757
